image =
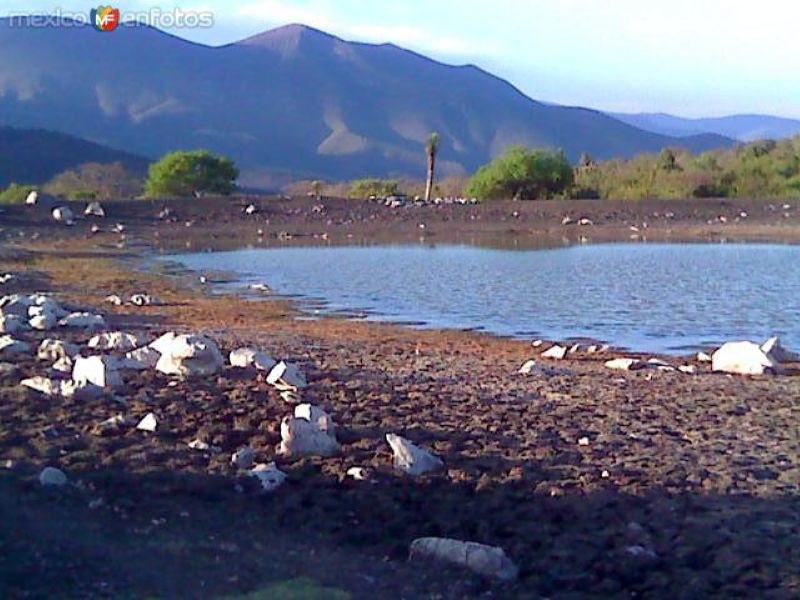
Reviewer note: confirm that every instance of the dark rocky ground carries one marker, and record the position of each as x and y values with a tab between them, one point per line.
688	487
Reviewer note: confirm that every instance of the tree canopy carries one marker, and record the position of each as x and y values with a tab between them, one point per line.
184	173
522	174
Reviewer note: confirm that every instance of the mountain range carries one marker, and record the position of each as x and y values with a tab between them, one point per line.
745	128
291	102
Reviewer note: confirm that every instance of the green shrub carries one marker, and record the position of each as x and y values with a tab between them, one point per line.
16	193
185	173
366	188
522	174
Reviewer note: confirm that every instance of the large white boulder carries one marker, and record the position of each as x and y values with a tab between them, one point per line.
98	370
777	353
140	359
269	475
190	355
162	343
410	458
286	376
310	432
11	347
117	341
144	300
52	350
742	358
83	319
12	324
488	561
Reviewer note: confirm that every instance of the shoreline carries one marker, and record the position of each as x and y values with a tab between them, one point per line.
596	483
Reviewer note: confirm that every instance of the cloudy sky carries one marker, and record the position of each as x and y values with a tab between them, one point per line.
686	57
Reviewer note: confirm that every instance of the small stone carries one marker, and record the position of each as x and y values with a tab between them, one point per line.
358	473
148	423
10	347
556	352
243	458
688	369
703	357
625	364
286	376
52	476
97	370
528	367
584	441
410	458
270	477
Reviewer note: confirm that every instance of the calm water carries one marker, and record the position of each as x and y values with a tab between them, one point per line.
649	297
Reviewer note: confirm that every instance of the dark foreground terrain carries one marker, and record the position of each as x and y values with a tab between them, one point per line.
687	488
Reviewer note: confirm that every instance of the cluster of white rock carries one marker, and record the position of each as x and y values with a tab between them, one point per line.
38	311
133	299
741	358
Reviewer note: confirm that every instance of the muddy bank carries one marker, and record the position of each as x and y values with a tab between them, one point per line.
596	483
224	223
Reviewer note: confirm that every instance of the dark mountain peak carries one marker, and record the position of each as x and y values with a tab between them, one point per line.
291	40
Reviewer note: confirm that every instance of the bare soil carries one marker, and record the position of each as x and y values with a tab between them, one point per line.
687	488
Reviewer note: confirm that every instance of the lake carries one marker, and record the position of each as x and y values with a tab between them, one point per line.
651	297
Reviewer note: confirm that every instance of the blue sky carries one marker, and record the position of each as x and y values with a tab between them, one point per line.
686	57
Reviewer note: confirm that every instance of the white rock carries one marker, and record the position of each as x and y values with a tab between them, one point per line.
52	476
246	357
242	357
51	349
703	357
688	369
286	376
410	458
301	437
44	321
148	423
488	561
144	300
190	355
15	304
742	358
658	364
557	352
117	341
11	347
83	319
528	367
63	365
270	477
32	198
94	209
625	364
63	214
12	324
777	353
6	277
140	359
62	389
162	343
115	423
243	458
97	370
200	445
317	416
114	299
358	473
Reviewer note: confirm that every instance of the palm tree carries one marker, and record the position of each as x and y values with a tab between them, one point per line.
431	148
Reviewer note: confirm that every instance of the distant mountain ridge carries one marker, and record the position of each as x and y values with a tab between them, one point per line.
745	128
290	102
36	156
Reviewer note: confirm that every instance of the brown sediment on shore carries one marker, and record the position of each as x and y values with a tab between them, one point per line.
681	486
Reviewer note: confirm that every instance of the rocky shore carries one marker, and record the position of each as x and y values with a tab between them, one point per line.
595	482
